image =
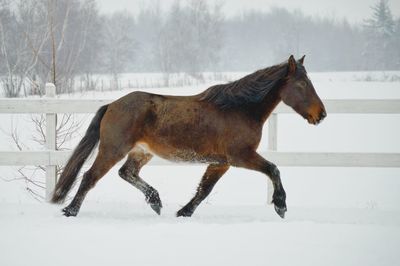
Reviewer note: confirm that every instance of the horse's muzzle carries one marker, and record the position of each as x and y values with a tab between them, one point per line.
317	120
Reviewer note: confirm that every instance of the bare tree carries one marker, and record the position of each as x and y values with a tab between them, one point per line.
380	29
147	31
20	46
33	176
119	43
89	62
69	23
205	36
190	39
44	40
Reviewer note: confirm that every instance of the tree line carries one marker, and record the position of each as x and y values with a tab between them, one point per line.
61	41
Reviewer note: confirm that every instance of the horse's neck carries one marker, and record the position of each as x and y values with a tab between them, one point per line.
264	109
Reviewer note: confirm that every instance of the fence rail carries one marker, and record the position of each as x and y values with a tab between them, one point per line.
50	157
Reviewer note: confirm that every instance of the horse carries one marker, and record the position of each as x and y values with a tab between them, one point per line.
221	126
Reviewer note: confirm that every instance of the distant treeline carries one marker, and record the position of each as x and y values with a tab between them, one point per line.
59	40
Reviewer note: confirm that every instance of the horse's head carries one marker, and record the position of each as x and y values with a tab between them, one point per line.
299	93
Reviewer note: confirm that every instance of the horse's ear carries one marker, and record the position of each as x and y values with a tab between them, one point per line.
301	60
292	65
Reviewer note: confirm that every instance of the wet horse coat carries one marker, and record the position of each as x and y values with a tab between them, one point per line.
221	126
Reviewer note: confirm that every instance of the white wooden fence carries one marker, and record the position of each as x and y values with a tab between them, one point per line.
50	157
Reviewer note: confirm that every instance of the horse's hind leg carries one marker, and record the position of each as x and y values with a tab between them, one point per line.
103	163
210	178
130	172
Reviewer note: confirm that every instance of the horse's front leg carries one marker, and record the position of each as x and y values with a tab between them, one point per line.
213	173
252	160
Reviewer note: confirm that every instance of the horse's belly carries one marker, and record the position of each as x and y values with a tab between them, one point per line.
178	154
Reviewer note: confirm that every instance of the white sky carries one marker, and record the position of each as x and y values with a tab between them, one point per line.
353	10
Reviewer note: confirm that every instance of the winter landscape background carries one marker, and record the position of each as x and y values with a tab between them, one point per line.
106	49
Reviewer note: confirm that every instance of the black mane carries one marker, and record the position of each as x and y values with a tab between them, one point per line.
250	89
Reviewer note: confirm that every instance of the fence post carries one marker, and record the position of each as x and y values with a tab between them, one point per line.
272	146
51	123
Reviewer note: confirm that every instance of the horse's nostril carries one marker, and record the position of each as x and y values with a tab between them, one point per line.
323	114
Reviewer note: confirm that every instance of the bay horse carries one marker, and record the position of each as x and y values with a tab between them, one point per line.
222	127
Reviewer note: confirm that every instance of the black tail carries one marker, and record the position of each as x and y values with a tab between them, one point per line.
78	157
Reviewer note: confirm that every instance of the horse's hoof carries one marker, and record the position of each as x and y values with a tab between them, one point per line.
154	201
156	207
184	213
280	211
69	211
279	200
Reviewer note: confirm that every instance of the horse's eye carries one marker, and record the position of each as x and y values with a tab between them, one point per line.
303	84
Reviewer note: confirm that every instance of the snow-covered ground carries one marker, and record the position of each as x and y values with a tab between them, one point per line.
336	216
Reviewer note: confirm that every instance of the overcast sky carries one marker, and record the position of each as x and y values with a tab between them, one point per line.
353	10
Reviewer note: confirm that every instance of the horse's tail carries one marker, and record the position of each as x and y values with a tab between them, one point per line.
78	157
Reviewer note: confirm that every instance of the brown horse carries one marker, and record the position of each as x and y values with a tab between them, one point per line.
221	126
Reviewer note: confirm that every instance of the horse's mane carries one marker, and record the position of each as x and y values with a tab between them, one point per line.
250	89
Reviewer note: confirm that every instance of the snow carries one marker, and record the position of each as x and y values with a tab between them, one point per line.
124	235
336	216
